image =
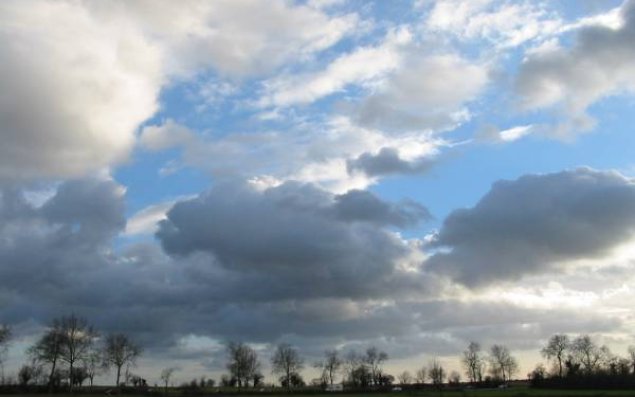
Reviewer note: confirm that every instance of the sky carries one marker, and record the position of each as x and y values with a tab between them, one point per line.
326	173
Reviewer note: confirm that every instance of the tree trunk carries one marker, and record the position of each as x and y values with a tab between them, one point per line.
288	379
51	375
70	378
118	375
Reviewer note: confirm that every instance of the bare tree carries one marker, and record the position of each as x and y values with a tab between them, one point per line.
330	366
287	361
618	366
351	363
79	376
404	378
436	373
243	363
631	356
454	378
503	365
5	336
29	372
556	349
48	350
586	352
374	359
77	338
422	375
93	363
538	373
166	374
473	362
119	350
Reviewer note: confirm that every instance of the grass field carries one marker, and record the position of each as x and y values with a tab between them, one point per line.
511	392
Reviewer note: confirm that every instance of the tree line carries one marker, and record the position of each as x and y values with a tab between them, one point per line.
361	370
71	352
582	362
577	361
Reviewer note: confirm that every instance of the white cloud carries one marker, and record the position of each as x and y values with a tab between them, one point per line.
600	63
78	78
145	221
548	296
506	24
235	37
362	66
317	154
493	134
428	93
74	89
610	19
514	133
166	135
321	4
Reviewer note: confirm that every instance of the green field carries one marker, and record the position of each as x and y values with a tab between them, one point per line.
511	392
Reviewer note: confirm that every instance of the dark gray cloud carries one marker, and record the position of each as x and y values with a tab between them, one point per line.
239	256
531	224
387	162
307	242
286	227
361	205
601	62
68	230
259	288
439	326
95	209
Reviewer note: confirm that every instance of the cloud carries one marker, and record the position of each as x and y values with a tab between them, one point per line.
55	246
493	134
361	205
363	66
427	93
300	252
291	262
166	135
77	112
237	38
506	24
325	154
600	63
316	247
355	205
145	221
534	224
91	209
387	162
310	235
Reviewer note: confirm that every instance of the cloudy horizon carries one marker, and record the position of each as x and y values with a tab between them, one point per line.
411	175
